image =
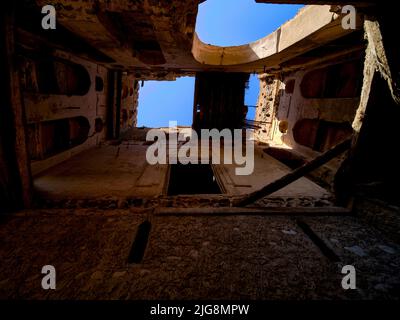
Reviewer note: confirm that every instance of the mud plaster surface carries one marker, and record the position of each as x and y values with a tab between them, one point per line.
236	257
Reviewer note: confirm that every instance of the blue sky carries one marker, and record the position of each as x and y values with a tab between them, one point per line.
219	22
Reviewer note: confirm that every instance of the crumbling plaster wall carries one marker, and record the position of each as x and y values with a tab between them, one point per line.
281	105
40	108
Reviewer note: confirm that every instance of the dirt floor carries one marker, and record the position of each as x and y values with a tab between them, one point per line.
193	257
90	207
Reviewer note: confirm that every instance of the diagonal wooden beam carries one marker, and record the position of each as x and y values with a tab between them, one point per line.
294	175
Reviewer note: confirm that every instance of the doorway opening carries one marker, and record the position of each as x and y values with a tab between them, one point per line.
192	179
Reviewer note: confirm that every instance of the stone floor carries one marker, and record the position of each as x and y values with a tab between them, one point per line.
192	257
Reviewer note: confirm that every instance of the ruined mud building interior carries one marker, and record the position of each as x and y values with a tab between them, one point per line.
77	192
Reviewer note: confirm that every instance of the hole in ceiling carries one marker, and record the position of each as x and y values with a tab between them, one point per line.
163	101
233	23
182	177
251	96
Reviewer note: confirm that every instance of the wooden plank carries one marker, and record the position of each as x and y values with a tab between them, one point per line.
295	174
16	181
272	211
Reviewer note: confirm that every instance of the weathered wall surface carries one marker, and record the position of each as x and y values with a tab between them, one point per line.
309	111
304	95
129	102
265	112
65	102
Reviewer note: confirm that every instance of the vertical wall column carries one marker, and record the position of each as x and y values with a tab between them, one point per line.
15	174
129	102
110	104
267	104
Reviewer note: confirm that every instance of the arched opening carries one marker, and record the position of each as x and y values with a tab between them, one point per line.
99	84
334	82
320	135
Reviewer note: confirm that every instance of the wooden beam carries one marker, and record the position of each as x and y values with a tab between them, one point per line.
295	174
269	211
15	178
